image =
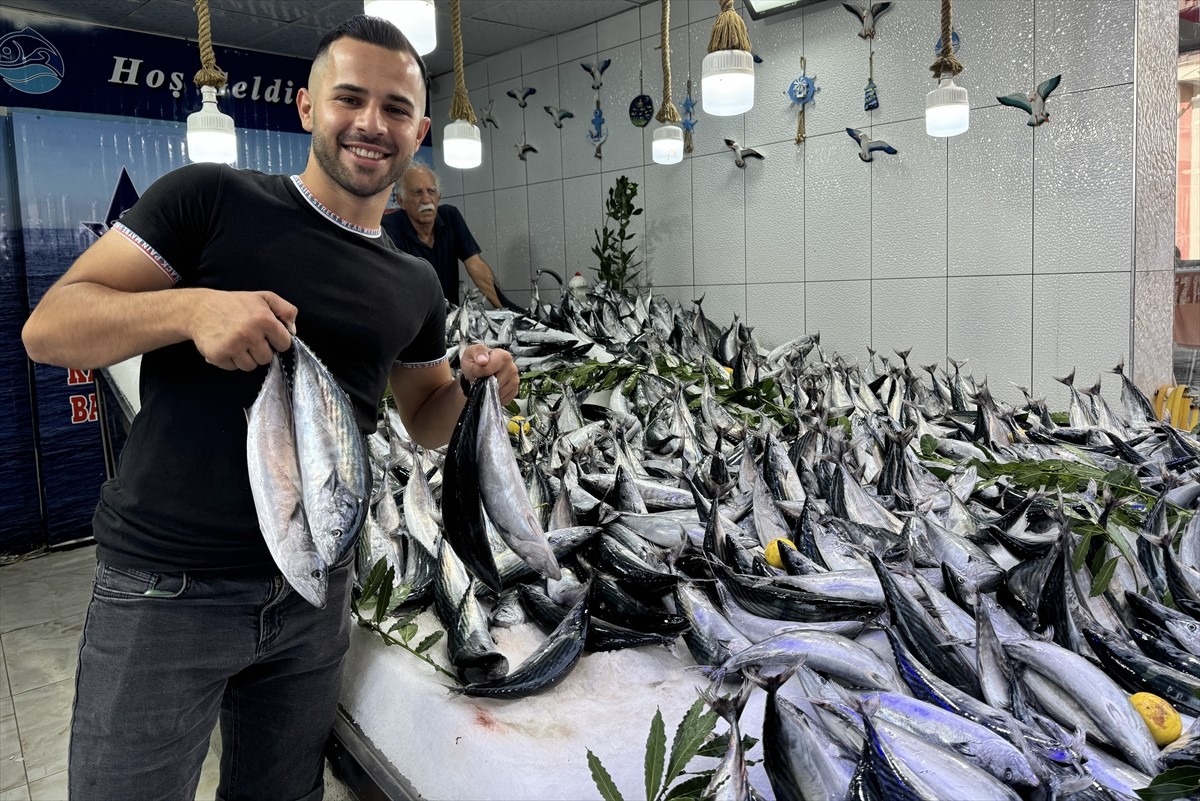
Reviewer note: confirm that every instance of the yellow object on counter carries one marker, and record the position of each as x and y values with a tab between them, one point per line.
518	425
772	554
1162	720
1180	402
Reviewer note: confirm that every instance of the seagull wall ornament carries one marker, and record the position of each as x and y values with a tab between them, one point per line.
524	148
1034	103
740	154
868	146
520	93
558	114
486	117
867	15
596	70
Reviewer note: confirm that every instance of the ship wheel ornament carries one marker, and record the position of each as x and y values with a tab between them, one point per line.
801	92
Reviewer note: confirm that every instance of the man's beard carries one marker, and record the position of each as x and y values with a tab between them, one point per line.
327	156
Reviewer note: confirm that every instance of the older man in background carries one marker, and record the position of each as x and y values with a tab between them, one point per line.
439	234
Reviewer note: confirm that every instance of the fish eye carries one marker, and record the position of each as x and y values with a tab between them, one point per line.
1008	774
316	574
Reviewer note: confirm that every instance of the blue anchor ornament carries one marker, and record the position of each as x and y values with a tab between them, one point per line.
868	146
801	92
598	134
689	119
1034	103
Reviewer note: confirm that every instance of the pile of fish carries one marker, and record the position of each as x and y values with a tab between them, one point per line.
309	473
971	593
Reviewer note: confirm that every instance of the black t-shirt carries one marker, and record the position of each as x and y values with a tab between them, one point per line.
452	242
181	499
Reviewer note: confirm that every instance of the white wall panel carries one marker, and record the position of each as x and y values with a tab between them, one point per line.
512	238
577	44
837	209
505	66
583	210
999	52
479	210
832	50
539	55
1088	42
619	30
652	16
779	41
910	313
546	164
990	210
1081	323
908	203
775	215
841	312
719	233
668	216
1083	183
547	229
904	41
776	311
989	324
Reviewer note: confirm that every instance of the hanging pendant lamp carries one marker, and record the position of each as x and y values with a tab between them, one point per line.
947	108
416	19
666	146
727	72
461	146
210	132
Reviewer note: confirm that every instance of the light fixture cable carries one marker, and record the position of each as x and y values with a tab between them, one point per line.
460	104
729	31
208	74
946	65
668	114
211	136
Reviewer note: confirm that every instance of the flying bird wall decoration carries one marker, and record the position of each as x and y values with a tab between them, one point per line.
740	154
520	93
867	15
1034	103
868	146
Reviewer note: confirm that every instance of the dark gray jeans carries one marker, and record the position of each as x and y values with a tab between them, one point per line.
164	655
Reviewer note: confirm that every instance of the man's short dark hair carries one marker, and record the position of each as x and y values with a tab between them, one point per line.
375	31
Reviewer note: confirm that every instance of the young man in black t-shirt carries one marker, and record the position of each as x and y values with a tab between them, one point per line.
208	276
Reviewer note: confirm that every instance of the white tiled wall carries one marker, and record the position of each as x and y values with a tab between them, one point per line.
1008	246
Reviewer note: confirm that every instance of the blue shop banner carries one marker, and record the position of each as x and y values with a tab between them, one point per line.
64	65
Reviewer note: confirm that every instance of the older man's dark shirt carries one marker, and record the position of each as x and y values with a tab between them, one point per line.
452	242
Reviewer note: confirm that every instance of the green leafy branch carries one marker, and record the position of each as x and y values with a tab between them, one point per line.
1179	782
693	737
377	596
617	264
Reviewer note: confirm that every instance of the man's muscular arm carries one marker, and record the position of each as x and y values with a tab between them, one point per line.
115	302
483	277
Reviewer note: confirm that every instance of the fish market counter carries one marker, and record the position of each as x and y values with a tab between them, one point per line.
448	746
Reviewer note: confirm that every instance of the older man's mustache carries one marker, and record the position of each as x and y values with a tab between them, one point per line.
426	207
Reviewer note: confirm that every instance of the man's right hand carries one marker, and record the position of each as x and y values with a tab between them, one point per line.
241	330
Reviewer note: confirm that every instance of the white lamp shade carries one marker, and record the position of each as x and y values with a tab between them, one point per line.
416	19
727	83
461	147
210	133
947	110
667	145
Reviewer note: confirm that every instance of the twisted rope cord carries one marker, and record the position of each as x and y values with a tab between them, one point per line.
800	132
667	114
460	104
208	74
946	64
729	32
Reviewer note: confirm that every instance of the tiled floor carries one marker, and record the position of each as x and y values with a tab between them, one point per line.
42	604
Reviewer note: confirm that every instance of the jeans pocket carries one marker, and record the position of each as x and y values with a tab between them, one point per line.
128	583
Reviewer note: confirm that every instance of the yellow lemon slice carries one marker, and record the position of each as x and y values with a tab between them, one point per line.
772	554
1161	718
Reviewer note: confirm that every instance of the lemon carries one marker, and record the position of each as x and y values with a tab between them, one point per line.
517	423
773	547
1161	718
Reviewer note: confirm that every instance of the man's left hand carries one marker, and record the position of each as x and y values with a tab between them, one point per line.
480	361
